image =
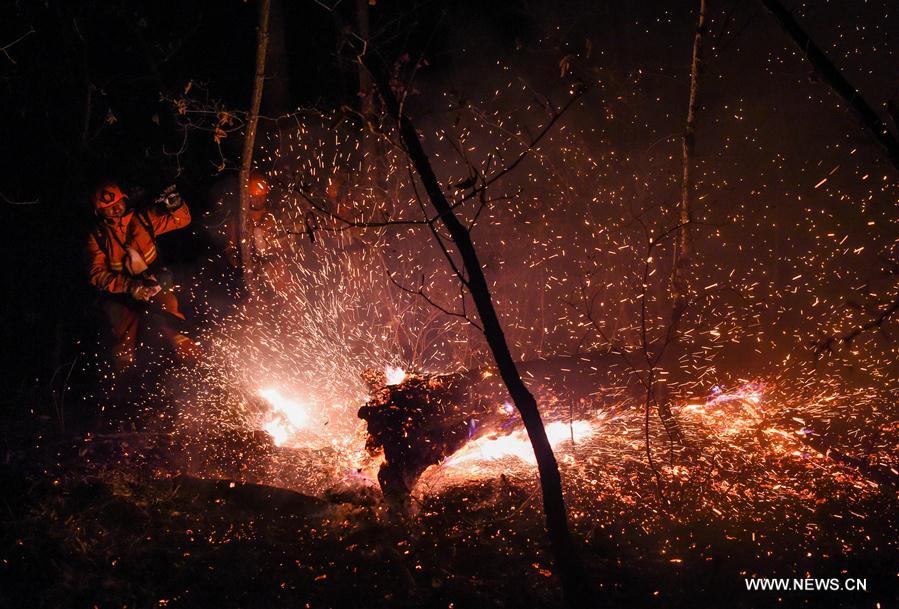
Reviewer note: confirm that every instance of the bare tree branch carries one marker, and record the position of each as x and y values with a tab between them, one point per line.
420	292
829	344
5	49
12	202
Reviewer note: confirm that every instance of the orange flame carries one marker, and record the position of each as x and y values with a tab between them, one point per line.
395	375
286	417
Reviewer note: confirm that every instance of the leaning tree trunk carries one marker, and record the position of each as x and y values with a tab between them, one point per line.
245	235
832	76
570	569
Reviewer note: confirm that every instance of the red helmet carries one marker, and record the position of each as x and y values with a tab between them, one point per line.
108	195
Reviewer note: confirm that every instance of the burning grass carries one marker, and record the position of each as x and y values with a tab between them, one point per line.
108	520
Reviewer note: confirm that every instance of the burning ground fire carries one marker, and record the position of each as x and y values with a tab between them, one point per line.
753	467
286	418
476	456
750	431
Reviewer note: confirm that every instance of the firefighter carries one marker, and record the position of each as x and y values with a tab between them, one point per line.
267	241
122	252
260	219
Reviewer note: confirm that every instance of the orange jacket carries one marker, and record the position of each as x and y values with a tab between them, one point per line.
107	245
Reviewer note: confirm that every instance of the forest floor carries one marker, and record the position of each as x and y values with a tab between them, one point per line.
101	521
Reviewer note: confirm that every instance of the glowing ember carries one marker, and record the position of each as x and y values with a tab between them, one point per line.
518	446
395	375
286	417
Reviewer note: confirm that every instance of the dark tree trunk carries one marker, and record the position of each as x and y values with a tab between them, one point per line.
365	92
683	251
276	101
570	569
832	76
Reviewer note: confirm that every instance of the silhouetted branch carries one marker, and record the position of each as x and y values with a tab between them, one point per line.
832	76
12	202
5	49
830	343
420	292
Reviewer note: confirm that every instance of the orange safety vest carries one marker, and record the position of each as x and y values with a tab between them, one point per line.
108	245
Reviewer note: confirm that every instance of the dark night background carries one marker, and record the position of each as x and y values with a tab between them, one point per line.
87	92
82	99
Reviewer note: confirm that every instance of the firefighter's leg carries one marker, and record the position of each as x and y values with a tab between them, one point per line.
123	325
169	304
171	326
123	321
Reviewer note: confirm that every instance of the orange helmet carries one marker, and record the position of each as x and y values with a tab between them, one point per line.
108	195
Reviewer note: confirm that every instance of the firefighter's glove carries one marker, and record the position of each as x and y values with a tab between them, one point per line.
171	200
145	292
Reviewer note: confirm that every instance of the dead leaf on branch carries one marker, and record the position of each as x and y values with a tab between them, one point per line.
225	118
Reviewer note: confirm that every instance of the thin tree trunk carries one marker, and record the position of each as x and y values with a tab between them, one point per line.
246	164
372	147
683	251
365	92
276	101
567	562
832	76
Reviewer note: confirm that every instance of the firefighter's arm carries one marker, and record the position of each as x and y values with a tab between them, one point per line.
102	276
165	219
